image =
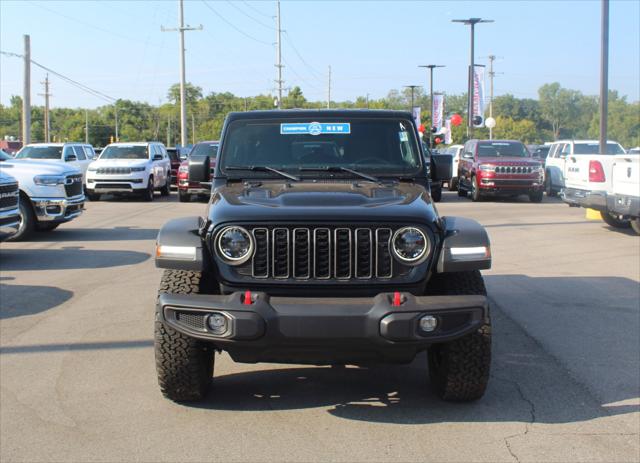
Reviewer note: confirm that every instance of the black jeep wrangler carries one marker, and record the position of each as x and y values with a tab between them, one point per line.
321	245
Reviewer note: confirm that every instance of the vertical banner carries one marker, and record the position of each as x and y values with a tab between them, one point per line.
447	134
416	115
437	110
478	93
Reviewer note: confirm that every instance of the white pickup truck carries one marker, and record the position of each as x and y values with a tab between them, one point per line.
50	194
625	197
588	177
78	155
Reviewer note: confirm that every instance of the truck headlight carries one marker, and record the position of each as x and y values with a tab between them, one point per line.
92	169
49	180
234	245
410	245
138	169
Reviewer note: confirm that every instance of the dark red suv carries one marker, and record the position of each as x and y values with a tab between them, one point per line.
499	167
186	187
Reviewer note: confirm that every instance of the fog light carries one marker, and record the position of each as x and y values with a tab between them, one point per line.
428	323
217	323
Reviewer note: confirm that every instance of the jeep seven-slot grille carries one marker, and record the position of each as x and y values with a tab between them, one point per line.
9	196
114	170
305	253
514	169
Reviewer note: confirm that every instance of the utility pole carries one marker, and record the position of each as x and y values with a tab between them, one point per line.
183	108
279	65
431	67
193	129
329	90
26	93
47	120
367	101
168	131
116	110
86	126
412	87
491	75
604	74
471	22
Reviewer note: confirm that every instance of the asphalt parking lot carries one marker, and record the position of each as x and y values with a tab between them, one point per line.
78	380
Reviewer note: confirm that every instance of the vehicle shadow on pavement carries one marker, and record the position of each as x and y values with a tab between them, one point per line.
527	385
21	300
98	234
72	257
136	199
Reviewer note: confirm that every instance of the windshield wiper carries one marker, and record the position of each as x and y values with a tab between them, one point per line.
264	169
371	178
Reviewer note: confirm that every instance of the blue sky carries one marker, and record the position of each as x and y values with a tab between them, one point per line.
117	47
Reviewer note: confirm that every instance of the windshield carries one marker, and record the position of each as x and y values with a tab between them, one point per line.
205	149
594	148
492	149
125	152
40	152
379	146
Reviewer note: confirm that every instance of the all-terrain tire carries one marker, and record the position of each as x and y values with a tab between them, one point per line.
615	221
184	364
635	224
459	370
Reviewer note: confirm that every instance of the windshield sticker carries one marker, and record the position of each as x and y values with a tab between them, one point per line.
315	128
404	136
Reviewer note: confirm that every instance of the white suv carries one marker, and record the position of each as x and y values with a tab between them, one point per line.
78	155
455	151
128	169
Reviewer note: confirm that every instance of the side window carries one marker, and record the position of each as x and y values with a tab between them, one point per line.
552	150
89	152
566	149
80	153
68	151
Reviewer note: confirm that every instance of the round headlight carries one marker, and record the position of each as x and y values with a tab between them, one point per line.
235	245
410	245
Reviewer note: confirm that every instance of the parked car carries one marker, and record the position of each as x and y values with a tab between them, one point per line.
187	187
174	157
588	176
624	201
499	167
130	169
50	193
332	257
78	155
9	207
456	152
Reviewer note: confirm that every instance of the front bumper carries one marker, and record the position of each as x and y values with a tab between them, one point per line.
624	205
585	198
58	209
192	188
9	223
505	185
323	330
117	183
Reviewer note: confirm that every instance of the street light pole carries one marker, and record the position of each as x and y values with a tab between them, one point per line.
412	87
604	75
471	22
431	67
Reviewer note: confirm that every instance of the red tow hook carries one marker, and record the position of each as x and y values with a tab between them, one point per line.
397	299
247	298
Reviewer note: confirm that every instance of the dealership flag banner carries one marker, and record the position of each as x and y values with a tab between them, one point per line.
447	134
478	93
416	115
437	110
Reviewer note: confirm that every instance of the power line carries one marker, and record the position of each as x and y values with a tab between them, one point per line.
257	10
295	50
234	26
249	16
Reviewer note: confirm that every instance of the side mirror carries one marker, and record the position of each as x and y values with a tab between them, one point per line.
199	169
71	157
157	157
467	155
183	157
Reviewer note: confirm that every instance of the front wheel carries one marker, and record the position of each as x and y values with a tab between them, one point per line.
459	370
614	220
27	220
183	196
166	189
147	195
536	196
453	184
635	224
475	191
548	188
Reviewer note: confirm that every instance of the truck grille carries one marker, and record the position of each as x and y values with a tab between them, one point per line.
514	169
73	185
321	253
9	196
114	170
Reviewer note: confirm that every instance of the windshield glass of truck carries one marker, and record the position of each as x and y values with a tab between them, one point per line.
40	152
383	146
205	149
494	149
125	152
594	148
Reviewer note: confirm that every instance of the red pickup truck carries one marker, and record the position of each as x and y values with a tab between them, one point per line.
499	167
186	187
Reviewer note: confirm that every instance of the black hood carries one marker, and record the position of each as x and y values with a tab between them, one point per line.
323	200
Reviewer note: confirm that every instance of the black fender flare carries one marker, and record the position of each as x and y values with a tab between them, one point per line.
179	245
466	246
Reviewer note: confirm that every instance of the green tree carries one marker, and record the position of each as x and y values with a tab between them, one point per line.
192	94
558	106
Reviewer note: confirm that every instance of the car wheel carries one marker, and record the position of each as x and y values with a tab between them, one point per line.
183	196
614	220
548	188
166	189
184	364
459	370
475	191
148	193
635	224
536	196
27	220
453	184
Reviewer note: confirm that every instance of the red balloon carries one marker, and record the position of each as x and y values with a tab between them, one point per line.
456	119
421	128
